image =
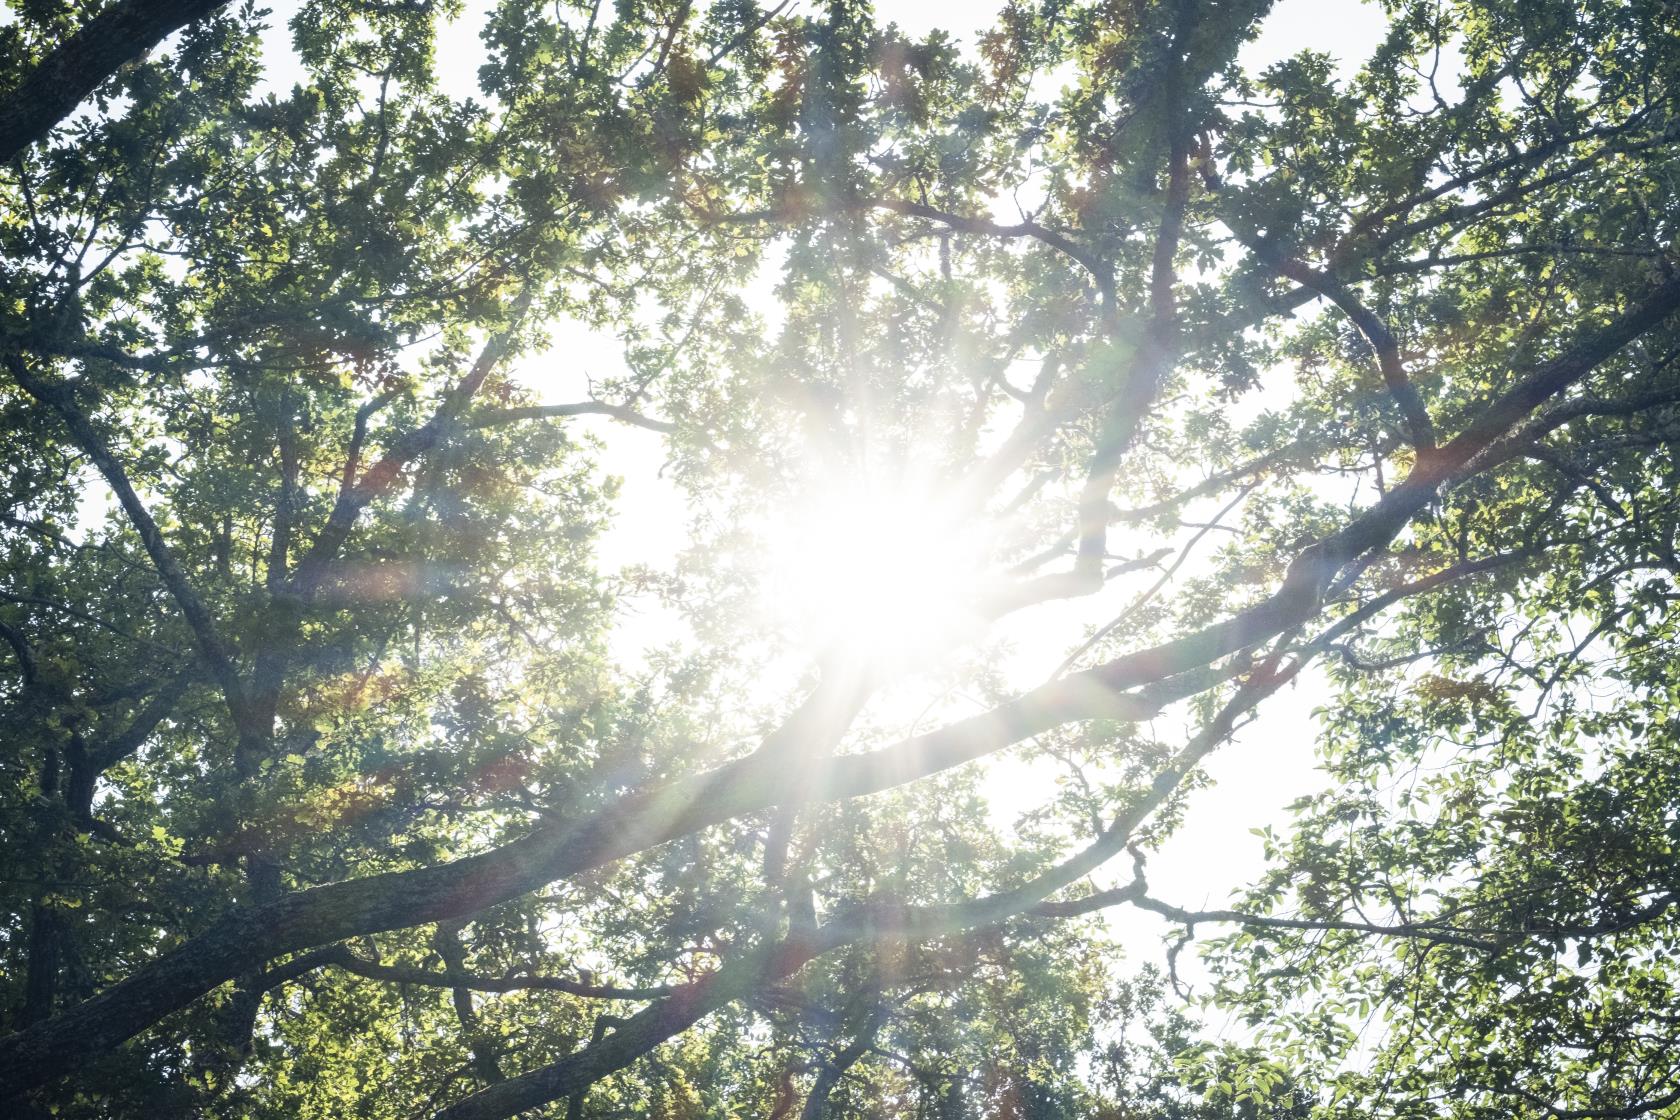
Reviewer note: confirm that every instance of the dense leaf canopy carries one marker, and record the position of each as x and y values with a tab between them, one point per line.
1041	412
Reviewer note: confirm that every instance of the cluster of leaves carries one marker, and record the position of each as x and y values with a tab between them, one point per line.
328	790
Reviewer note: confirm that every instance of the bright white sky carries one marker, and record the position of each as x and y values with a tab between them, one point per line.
1256	776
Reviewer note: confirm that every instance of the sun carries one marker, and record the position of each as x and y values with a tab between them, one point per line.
890	572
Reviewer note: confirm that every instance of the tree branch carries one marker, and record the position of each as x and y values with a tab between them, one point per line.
59	397
766	965
380	478
121	33
1420	430
640	820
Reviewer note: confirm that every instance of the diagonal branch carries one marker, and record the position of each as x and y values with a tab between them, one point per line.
108	752
1418	426
358	490
765	965
121	33
569	845
217	653
1212	483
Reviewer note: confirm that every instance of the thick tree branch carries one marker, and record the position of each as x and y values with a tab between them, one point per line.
635	822
764	966
123	32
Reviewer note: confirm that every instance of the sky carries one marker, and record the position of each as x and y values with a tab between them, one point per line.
1255	777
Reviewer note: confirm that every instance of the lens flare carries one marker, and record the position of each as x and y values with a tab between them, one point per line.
889	573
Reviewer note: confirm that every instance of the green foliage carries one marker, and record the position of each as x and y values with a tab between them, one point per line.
1139	314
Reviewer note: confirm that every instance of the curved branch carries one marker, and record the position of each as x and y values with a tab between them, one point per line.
1209	485
1483	938
1087	259
963	223
456	978
1419	429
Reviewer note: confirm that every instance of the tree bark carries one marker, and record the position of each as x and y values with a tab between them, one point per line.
75	68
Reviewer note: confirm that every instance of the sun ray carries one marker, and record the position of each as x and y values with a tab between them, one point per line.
889	571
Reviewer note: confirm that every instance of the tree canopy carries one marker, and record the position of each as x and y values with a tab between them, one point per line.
1041	410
